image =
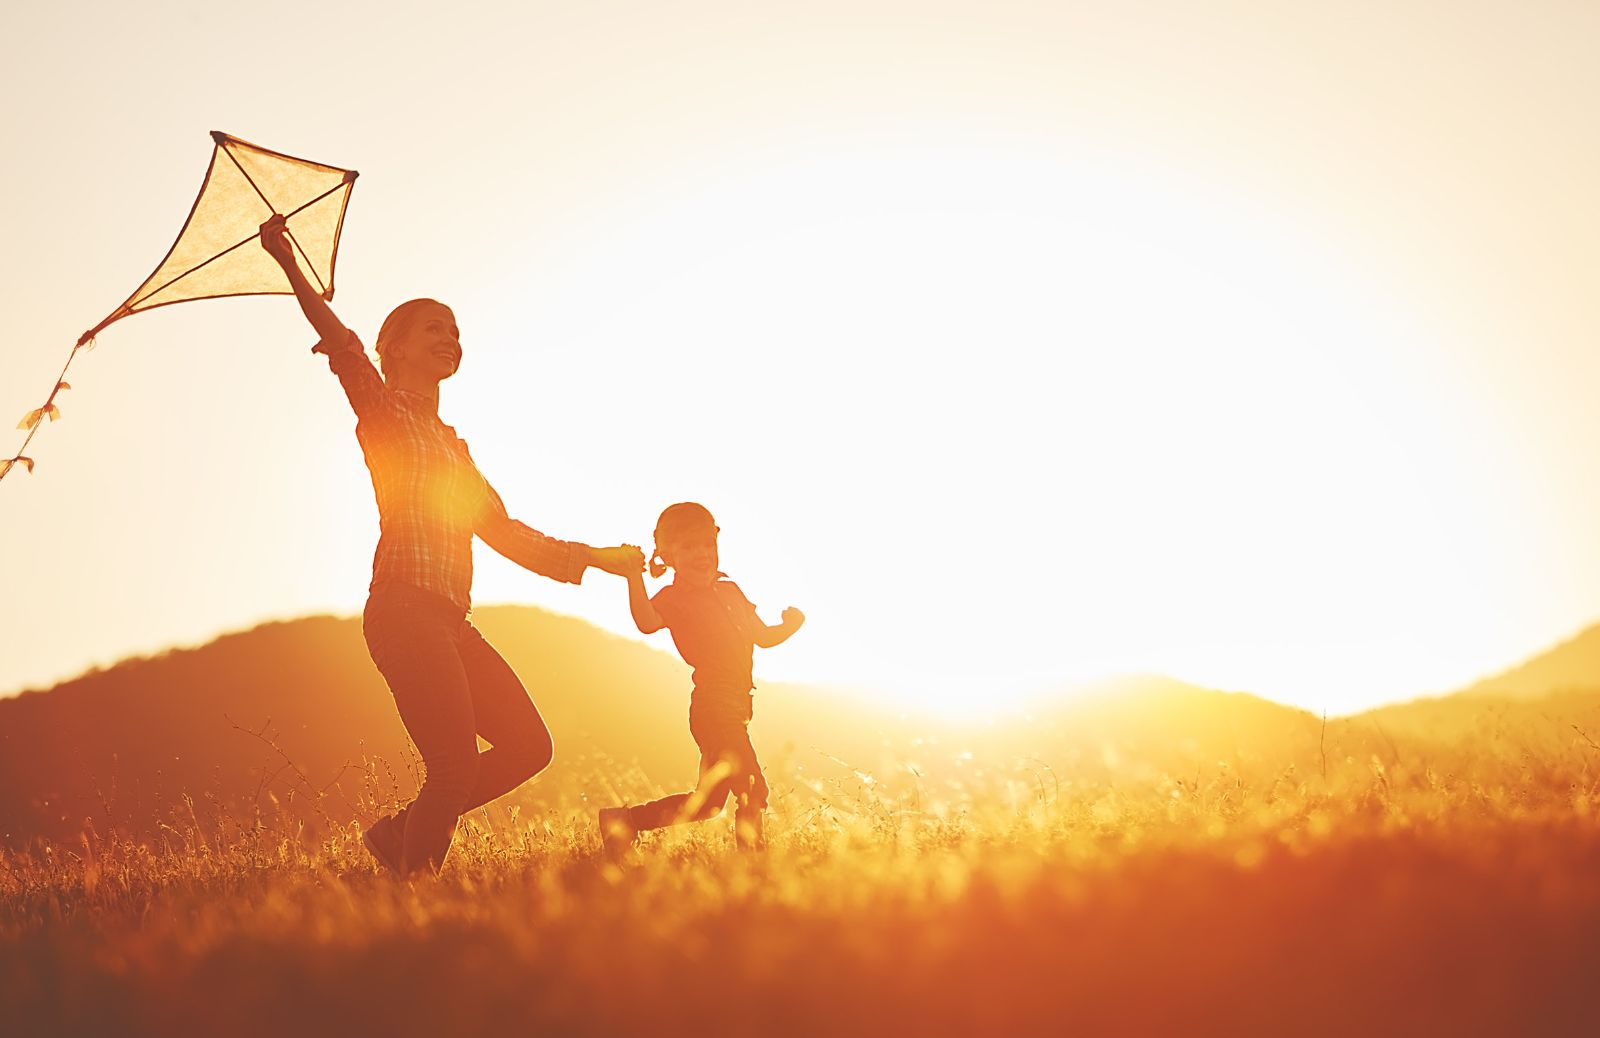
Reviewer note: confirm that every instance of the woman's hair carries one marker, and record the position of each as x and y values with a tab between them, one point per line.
685	517
396	326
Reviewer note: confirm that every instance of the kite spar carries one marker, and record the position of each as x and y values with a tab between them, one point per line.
244	185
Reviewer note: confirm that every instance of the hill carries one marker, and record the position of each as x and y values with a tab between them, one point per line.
1547	707
278	712
292	717
1572	666
291	720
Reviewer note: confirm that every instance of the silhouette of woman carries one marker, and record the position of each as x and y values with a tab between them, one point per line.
449	684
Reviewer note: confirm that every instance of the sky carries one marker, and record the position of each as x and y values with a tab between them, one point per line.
1016	343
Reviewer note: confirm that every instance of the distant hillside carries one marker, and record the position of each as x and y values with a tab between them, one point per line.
1572	666
122	746
1546	705
153	740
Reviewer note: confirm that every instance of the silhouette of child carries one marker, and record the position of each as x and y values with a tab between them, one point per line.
716	630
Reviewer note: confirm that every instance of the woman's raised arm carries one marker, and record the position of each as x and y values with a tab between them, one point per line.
330	330
361	381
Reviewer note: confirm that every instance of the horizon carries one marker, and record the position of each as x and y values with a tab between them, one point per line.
1018	700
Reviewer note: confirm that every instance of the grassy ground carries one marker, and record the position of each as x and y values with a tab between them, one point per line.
1458	898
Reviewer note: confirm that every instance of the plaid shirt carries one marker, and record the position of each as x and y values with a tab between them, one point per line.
431	497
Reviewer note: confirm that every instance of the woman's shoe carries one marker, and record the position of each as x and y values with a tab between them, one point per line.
386	841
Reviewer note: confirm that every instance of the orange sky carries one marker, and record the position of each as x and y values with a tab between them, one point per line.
1013	342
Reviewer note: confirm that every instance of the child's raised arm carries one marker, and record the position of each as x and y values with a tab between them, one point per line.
644	612
778	633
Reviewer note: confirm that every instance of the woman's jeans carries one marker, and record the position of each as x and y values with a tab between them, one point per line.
720	724
451	686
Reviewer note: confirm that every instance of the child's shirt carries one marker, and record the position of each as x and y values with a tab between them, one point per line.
714	629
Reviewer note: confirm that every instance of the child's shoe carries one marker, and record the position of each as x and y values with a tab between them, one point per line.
386	842
617	831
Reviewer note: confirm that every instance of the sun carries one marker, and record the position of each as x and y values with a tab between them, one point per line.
999	415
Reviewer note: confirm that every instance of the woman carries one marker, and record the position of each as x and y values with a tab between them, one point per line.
449	684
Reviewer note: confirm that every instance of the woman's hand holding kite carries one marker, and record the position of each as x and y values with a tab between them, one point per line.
275	239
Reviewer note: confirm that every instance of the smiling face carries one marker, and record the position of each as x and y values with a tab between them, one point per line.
693	555
431	344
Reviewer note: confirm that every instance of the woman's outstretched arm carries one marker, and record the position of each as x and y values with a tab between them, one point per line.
559	560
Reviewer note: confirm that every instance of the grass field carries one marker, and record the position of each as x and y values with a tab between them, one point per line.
1460	895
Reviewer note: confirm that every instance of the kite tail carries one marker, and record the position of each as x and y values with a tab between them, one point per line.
35	418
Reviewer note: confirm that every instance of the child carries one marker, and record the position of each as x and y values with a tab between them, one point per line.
715	629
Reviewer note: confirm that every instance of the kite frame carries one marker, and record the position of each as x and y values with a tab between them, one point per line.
35	418
222	141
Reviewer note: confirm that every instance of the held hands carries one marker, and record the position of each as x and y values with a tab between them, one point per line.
275	239
624	560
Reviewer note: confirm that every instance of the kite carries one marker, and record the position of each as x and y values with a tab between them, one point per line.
244	185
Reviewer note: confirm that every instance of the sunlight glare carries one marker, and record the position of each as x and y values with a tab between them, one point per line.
986	410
